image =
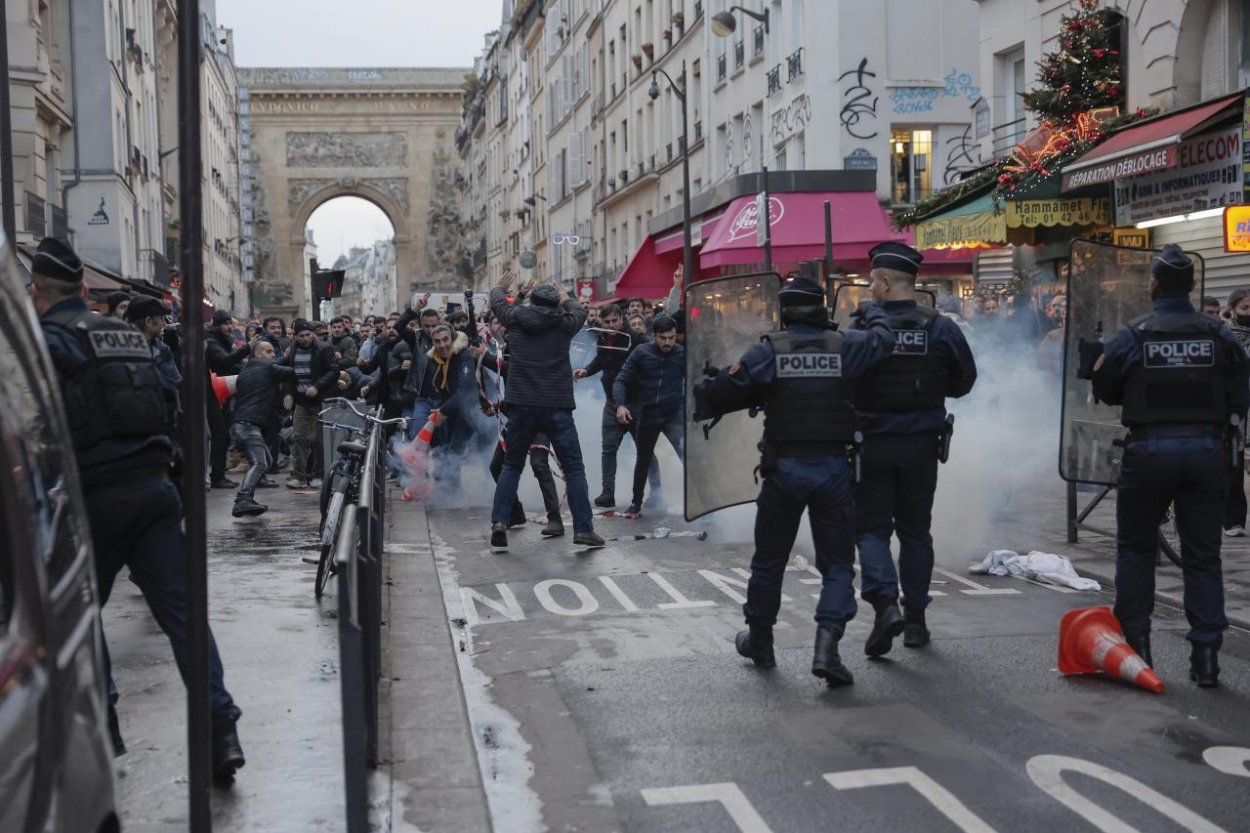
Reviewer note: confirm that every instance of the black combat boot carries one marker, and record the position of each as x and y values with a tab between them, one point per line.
554	527
826	663
887	625
915	634
756	645
115	734
227	751
498	537
1141	644
1204	666
606	500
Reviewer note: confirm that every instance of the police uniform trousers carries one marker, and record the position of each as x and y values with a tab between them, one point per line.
136	523
895	496
1191	473
822	486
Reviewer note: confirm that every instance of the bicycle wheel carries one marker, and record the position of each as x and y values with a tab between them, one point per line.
325	566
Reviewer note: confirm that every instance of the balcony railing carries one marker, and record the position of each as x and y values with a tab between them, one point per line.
794	65
740	54
668	151
59	221
698	131
698	9
774	79
757	40
1007	136
720	67
36	215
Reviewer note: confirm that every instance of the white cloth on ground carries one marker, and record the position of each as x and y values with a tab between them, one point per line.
1040	566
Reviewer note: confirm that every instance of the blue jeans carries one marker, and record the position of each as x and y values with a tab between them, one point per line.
418	413
822	486
895	496
139	525
525	423
1191	473
251	439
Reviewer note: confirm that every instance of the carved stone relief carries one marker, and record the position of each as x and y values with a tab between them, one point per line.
346	150
299	190
395	187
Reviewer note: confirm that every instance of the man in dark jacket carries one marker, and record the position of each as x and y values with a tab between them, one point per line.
220	357
345	347
658	370
316	374
615	345
539	399
256	398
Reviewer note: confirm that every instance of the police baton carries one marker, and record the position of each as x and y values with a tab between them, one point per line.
944	440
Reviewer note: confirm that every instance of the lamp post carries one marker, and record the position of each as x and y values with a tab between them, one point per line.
724	24
679	90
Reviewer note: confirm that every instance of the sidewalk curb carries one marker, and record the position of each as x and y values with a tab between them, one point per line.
1107	579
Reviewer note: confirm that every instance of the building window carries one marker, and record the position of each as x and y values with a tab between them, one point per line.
911	156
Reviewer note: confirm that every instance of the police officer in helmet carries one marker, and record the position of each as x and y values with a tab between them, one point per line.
1178	376
116	410
802	378
901	405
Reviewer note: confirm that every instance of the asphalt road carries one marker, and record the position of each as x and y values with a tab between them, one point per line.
605	695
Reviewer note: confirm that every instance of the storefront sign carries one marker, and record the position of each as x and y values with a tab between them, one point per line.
1245	146
746	223
1136	238
1237	228
585	290
1138	163
969	231
1206	176
1059	212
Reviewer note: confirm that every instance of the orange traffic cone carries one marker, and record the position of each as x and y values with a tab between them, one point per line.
1091	641
426	434
223	387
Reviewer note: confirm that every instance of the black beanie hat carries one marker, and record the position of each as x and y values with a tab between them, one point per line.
142	307
116	299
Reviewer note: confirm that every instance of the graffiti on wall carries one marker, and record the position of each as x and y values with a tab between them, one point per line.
791	119
859	102
963	154
959	85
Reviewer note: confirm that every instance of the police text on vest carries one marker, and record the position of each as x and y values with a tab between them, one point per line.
809	365
119	344
1180	353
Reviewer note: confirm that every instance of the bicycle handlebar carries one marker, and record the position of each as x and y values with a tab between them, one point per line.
365	415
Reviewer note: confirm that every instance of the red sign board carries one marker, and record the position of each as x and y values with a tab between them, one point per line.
1142	162
586	291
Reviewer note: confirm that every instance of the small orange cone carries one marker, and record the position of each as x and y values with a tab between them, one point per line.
223	387
1091	641
426	434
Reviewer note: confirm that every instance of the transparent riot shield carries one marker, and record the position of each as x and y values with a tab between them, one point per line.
724	318
1108	286
847	296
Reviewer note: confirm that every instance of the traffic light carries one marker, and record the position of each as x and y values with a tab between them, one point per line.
327	284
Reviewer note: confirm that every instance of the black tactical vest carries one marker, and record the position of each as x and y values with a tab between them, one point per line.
808	402
914	376
117	391
1181	376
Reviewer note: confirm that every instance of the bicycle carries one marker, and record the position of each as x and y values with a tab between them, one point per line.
342	485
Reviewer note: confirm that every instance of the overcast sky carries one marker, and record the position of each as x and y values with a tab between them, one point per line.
356	33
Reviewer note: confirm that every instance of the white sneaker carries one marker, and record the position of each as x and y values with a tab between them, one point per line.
1235	531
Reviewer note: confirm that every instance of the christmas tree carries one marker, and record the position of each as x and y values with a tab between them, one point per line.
1084	74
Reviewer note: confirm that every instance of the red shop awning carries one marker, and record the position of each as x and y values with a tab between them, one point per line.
701	230
1151	145
648	274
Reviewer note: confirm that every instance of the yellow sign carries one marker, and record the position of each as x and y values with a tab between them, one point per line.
969	231
988	228
1237	228
1058	212
1133	237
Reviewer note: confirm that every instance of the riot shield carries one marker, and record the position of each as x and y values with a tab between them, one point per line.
847	296
724	318
1108	286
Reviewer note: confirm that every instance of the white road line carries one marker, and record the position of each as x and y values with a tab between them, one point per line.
1230	760
737	805
618	594
679	601
937	795
977	589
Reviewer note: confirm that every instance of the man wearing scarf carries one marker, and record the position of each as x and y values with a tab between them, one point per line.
443	379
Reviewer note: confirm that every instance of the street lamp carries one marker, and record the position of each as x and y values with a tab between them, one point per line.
679	90
724	24
532	199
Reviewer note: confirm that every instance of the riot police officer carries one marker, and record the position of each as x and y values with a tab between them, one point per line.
802	377
1178	376
115	407
901	409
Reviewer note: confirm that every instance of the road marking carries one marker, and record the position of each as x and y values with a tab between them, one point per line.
679	601
618	594
727	795
937	795
588	603
725	584
1230	760
507	605
977	589
1047	773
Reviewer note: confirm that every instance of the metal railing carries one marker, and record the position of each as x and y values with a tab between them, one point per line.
1006	136
740	53
794	65
358	550
757	40
774	79
720	67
